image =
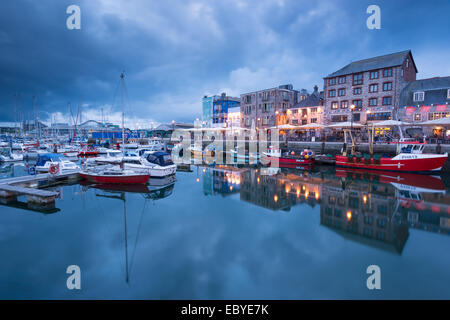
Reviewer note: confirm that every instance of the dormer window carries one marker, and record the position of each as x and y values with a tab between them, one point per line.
419	96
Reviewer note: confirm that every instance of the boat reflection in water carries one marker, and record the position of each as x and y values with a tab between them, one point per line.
373	208
155	189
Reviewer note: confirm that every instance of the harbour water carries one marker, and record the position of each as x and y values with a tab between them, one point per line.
234	233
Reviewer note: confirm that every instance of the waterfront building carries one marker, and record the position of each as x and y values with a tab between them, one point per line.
308	110
207	110
372	86
424	100
234	117
268	107
221	105
215	109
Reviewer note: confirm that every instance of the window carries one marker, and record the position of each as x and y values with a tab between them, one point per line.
266	107
294	121
334	105
304	121
417	117
341	80
285	96
344	104
266	95
313	110
357	104
373	75
339	118
265	120
313	120
379	116
387	72
248	98
357	79
332	81
419	96
341	92
448	93
294	111
387	86
357	91
373	102
407	63
373	88
247	109
331	93
387	101
356	116
247	122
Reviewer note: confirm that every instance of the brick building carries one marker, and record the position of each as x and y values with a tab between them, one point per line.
372	85
267	108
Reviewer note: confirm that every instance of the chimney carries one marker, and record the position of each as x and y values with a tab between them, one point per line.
316	89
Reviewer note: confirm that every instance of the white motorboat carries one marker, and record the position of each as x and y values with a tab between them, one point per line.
111	157
48	161
157	164
6	155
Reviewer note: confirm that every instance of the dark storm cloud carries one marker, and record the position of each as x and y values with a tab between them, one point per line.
174	52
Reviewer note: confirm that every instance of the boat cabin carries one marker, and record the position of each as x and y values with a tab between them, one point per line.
162	159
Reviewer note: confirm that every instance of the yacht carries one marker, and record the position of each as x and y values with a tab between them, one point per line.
46	163
157	164
6	155
112	157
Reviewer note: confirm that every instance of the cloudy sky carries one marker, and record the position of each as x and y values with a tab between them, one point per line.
173	52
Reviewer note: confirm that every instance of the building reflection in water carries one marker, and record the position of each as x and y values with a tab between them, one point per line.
373	208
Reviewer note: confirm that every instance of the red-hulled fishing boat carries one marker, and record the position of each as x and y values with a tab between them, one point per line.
114	176
274	156
409	158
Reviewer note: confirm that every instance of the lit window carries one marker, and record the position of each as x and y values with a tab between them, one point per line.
417	117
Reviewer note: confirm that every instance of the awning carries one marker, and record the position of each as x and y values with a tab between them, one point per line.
389	123
437	122
311	126
345	125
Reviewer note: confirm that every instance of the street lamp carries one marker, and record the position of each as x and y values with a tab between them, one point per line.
352	108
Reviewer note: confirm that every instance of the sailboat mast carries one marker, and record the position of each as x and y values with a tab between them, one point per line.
123	111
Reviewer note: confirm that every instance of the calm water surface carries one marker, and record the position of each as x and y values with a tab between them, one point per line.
233	233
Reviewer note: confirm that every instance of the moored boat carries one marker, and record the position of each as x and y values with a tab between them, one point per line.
87	152
409	158
114	175
275	155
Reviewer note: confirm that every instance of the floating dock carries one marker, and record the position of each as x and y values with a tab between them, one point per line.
37	199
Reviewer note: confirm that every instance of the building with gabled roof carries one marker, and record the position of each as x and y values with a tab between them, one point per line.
372	86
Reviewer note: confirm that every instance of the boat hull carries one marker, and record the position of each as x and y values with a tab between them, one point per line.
289	161
116	179
422	163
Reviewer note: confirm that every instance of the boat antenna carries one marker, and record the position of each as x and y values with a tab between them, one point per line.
122	76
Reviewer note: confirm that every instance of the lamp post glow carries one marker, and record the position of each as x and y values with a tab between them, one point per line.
352	108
